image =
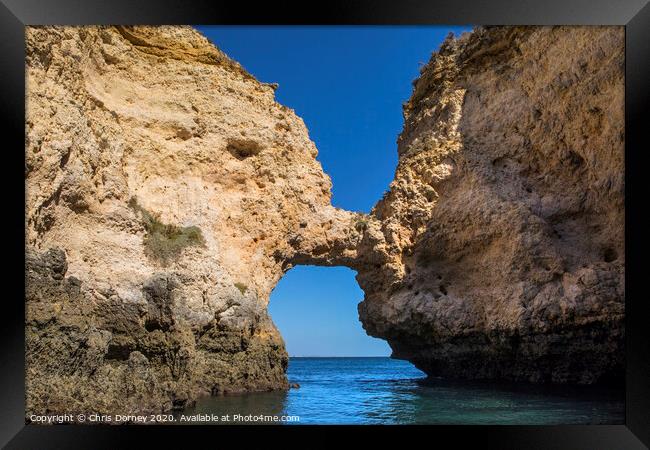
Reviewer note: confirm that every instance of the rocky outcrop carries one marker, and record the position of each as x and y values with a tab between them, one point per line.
499	250
167	193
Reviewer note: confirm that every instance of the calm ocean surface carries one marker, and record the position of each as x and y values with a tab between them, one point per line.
388	391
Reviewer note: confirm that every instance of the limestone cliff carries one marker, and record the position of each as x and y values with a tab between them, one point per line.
167	193
499	250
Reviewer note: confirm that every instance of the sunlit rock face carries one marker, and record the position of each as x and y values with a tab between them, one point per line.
167	193
499	250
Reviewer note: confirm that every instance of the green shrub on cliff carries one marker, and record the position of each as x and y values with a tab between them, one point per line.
164	242
242	287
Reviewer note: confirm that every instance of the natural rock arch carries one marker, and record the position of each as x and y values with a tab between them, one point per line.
315	309
167	193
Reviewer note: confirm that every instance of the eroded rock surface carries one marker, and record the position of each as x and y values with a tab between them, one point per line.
499	249
167	193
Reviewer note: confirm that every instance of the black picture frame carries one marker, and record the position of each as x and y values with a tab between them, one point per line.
633	14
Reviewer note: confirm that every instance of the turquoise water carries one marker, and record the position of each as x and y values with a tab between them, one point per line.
388	391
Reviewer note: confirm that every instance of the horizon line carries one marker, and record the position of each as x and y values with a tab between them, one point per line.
339	356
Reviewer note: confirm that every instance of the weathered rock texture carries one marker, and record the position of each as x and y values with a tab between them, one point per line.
167	193
500	245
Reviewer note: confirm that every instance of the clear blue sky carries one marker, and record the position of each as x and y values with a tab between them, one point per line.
348	84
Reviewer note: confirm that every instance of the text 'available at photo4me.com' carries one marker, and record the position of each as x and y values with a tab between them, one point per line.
163	418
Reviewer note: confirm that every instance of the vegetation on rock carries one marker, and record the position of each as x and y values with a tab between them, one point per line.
165	242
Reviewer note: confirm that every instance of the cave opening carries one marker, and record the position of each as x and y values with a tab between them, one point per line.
315	310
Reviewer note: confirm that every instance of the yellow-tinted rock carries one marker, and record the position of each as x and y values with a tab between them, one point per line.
503	232
178	192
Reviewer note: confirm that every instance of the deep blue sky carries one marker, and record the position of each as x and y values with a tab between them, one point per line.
348	84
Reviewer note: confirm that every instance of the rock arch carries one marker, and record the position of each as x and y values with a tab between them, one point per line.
149	141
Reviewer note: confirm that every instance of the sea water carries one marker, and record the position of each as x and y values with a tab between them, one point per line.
389	391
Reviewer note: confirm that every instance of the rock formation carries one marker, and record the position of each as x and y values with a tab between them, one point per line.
167	193
500	245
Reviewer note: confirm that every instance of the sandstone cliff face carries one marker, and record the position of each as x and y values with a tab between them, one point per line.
500	245
167	193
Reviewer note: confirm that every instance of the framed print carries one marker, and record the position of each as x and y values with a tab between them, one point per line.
384	218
